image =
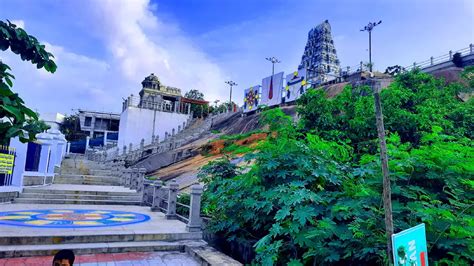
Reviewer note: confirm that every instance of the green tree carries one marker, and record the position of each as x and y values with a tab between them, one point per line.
194	94
71	128
16	118
412	105
197	109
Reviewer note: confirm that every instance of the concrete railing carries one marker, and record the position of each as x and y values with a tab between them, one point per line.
160	197
132	153
442	58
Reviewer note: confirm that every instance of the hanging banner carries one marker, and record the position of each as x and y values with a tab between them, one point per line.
251	98
409	247
271	90
295	85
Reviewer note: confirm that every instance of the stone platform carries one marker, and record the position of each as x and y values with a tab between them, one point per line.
153	234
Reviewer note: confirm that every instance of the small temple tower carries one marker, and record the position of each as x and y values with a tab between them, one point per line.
154	94
319	57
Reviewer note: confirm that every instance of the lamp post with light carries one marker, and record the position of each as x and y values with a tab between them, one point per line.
369	29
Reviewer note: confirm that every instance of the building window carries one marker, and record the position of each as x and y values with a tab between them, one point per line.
88	121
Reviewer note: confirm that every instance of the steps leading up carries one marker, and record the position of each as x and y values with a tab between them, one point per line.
80	194
13	251
155	234
78	201
87	180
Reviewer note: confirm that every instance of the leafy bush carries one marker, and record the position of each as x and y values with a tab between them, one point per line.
303	199
412	105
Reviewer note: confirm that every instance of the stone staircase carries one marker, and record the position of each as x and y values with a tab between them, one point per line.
78	194
156	233
81	182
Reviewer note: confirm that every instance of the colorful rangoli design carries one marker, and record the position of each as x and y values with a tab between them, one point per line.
70	218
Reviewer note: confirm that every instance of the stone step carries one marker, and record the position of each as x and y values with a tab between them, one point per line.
12	251
86	176
88	182
76	201
82	192
77	237
135	197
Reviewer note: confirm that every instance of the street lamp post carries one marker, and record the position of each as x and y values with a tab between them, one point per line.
231	84
274	61
369	29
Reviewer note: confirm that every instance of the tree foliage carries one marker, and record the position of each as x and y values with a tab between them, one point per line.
71	128
198	110
194	94
311	194
16	118
412	105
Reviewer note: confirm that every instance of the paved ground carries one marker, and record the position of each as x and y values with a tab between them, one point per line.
116	259
156	224
74	187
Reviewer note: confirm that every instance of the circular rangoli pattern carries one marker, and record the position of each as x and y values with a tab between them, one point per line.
70	218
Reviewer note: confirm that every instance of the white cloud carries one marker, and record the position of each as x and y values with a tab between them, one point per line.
140	44
136	43
19	23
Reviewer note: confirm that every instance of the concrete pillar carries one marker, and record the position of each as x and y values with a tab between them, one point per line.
157	194
189	108
44	158
194	223
471	48
141	179
172	196
68	148
142	144
105	138
126	177
431	60
87	142
134	178
450	55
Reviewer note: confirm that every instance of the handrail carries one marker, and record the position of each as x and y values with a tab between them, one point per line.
183	205
442	58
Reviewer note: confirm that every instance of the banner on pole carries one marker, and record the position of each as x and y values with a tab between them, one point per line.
295	85
271	90
409	247
251	98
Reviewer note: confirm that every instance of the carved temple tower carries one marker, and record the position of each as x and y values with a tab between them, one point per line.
319	57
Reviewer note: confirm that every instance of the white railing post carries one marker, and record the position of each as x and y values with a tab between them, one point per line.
155	206
450	55
431	60
195	221
141	179
172	196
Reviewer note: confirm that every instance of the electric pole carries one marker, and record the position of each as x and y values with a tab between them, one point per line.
231	84
387	191
369	29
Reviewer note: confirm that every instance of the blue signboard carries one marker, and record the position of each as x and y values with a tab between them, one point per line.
409	247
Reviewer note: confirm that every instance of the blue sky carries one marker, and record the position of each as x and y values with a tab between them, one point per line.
104	48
